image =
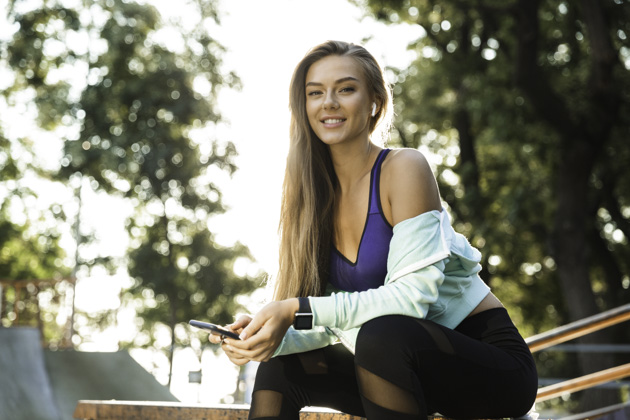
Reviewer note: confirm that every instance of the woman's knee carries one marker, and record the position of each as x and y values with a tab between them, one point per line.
272	375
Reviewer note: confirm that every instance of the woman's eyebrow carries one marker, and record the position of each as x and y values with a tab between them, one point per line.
342	80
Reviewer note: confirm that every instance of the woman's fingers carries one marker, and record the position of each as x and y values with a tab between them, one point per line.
253	327
258	354
257	348
234	357
237	327
238	361
241	322
215	338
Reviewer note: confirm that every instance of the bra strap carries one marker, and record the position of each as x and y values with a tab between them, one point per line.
375	195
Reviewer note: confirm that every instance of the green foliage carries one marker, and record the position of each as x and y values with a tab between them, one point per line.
522	108
8	168
27	255
29	252
136	97
29	248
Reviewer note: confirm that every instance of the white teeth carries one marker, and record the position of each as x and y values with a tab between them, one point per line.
332	121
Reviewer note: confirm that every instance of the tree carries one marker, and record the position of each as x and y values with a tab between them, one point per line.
525	105
33	265
143	112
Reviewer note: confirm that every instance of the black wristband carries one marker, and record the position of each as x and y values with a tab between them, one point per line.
304	316
305	305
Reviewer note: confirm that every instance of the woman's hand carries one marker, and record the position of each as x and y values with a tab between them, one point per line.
264	333
237	327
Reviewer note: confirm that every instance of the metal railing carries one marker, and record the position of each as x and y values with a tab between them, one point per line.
574	330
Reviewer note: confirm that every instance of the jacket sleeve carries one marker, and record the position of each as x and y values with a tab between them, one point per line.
304	340
415	265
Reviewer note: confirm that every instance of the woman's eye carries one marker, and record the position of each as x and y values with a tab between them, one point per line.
347	89
313	93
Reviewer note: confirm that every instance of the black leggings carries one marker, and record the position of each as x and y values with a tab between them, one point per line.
407	368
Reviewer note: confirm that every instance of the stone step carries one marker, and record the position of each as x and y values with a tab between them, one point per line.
145	410
136	410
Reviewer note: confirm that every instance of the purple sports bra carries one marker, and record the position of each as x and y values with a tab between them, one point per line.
370	269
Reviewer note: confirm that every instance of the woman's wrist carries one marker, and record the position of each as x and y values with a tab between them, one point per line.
295	307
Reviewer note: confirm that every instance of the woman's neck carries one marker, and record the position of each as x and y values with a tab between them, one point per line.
352	162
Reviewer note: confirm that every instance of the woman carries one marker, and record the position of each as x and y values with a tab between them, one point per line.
368	259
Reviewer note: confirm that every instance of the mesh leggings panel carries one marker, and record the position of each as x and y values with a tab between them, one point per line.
385	397
324	378
265	405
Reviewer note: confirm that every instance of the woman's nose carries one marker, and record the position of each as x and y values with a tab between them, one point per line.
330	101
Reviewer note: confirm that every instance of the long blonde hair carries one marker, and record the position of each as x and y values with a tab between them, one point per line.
308	193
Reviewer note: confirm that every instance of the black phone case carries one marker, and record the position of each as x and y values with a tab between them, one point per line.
215	328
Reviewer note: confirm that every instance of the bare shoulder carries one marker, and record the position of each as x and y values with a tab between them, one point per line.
407	166
409	184
403	160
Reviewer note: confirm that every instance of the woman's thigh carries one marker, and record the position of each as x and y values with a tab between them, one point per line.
483	368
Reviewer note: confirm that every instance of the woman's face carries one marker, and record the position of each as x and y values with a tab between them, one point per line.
338	100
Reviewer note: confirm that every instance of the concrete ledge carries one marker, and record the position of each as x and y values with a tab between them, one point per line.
136	410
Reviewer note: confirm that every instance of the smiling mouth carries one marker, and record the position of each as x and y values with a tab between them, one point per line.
333	120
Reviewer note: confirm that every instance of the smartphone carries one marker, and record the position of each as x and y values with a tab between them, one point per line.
214	328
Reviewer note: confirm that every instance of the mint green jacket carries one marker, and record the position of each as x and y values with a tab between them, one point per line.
432	273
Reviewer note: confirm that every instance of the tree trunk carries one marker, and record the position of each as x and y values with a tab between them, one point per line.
172	349
579	148
571	251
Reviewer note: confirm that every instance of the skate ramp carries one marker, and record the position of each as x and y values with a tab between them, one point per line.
38	384
78	376
25	391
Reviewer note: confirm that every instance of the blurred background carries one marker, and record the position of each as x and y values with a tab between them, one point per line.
142	150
